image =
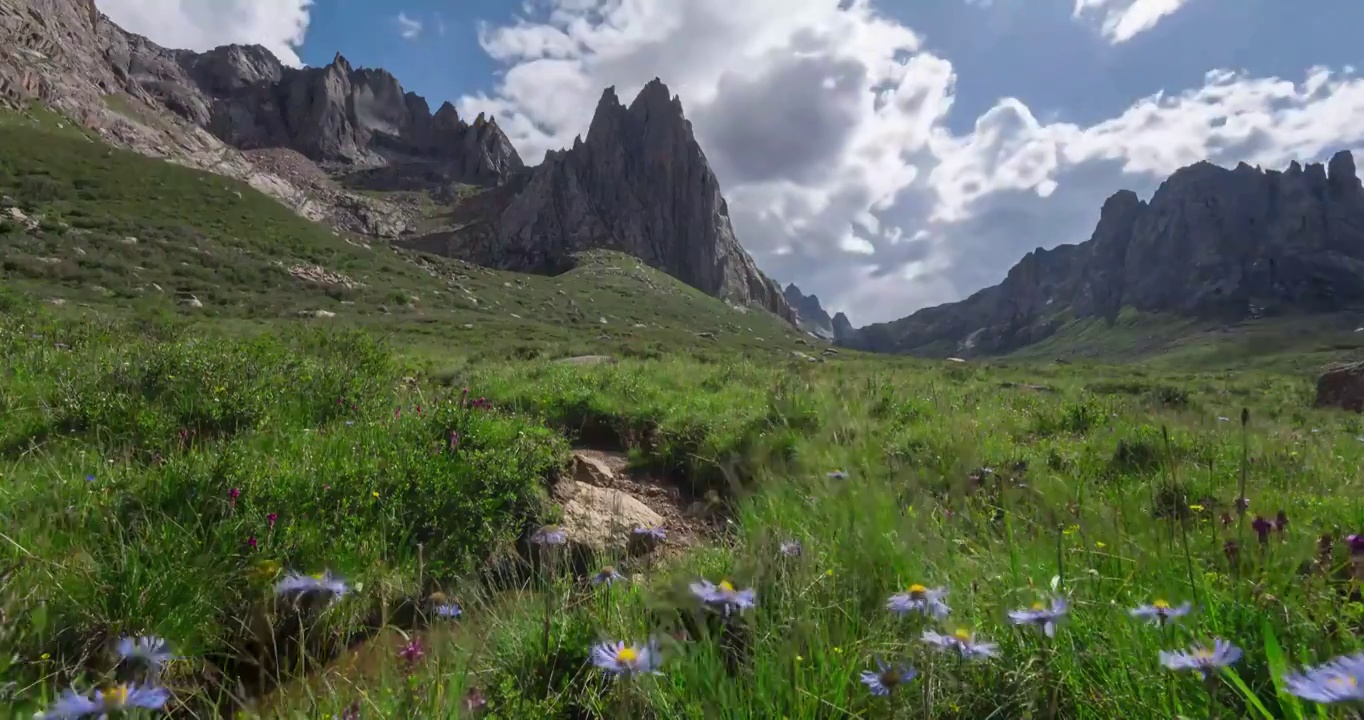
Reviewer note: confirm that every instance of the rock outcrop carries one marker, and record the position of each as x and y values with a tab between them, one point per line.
811	316
640	184
1211	243
316	138
1342	387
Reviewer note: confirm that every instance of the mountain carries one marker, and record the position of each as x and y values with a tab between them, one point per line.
810	314
351	148
1212	243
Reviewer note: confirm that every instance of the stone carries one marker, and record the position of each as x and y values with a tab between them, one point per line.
592	469
810	316
1212	243
600	519
1342	387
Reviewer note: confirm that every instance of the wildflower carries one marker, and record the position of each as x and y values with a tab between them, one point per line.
412	652
790	548
606	575
1261	526
918	598
550	535
650	533
89	478
122	697
1202	658
1340	680
323	584
1242	504
474	700
352	711
1196	507
1226	519
1281	522
150	650
838	475
1041	615
1221	418
627	660
724	595
1160	611
251	542
454	440
1232	550
963	641
374	494
1355	543
887	677
448	610
233	494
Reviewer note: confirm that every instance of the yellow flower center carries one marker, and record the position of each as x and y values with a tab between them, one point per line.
962	634
627	656
726	586
1038	606
917	591
1344	681
1203	654
318	576
116	696
1160	605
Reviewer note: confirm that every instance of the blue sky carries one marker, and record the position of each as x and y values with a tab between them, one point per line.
887	155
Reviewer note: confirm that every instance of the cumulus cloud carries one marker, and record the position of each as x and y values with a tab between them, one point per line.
279	25
407	27
1122	20
827	123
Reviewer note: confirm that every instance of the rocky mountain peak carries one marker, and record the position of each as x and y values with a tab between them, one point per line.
1212	243
812	317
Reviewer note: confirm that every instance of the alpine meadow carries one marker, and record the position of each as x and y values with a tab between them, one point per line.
315	403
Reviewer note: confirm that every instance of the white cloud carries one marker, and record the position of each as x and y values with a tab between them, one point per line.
1123	20
279	25
407	27
826	123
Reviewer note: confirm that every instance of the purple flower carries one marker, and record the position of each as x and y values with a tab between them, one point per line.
251	542
626	660
1202	658
89	478
271	518
1160	612
412	652
1355	543
1261	526
233	494
887	677
448	610
122	697
606	576
918	598
963	641
1041	615
323	584
550	535
150	650
724	595
1340	680
656	534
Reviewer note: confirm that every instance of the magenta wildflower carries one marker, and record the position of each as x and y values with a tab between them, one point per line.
1355	543
271	518
251	542
1261	526
233	494
412	652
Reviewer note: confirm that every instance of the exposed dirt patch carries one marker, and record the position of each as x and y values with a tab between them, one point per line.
686	519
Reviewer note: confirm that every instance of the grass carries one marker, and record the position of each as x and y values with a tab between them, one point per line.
161	468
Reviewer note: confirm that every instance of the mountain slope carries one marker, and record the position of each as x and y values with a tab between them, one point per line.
351	148
812	316
1214	245
639	183
87	227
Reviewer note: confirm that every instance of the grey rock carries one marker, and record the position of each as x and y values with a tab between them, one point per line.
1212	243
639	183
811	316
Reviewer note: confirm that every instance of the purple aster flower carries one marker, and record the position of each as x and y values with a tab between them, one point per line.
1160	612
89	478
963	641
838	475
1355	543
448	610
606	576
72	705
724	595
887	677
918	598
1202	658
1041	615
656	534
550	535
1261	526
323	585
627	660
790	548
149	650
1340	680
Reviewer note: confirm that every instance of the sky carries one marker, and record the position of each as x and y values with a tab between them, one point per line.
887	155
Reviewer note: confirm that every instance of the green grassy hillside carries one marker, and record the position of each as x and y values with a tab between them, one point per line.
111	230
163	467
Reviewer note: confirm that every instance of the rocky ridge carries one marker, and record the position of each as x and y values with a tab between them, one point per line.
323	140
1212	242
811	315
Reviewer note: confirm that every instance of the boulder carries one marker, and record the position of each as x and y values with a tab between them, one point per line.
599	519
1342	387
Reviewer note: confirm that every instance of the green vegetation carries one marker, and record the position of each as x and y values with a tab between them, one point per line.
162	468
